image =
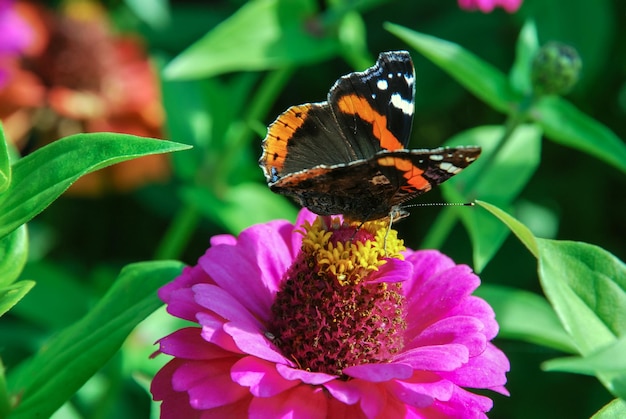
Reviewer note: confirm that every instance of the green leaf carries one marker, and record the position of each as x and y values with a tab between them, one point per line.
587	287
526	316
60	298
242	206
520	230
541	220
616	409
39	178
12	294
516	161
5	162
69	359
261	35
565	124
479	77
13	254
155	13
609	361
526	48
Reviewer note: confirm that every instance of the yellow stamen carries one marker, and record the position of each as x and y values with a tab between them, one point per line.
351	261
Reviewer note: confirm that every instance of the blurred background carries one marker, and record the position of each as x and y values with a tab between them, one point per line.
126	66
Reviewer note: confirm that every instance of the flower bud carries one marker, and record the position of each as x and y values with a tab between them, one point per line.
555	69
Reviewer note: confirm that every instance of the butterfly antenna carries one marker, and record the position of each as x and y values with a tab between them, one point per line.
441	204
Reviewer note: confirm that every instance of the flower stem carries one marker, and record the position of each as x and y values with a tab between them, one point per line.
259	105
440	229
515	119
447	218
5	405
178	234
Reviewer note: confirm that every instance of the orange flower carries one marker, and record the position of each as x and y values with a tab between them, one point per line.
78	76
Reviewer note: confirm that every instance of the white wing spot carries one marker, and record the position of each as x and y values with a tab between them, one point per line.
405	106
436	157
449	167
382	84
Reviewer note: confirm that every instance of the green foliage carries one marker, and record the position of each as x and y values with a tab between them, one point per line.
263	34
79	351
476	75
39	178
227	71
27	188
517	160
586	286
526	316
5	163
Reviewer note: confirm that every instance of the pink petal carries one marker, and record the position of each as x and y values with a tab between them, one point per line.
428	383
225	239
208	384
375	399
238	409
269	245
261	376
379	372
511	6
251	341
477	307
224	304
437	295
428	263
411	395
213	332
395	270
239	274
464	330
307	377
485	6
187	343
301	402
348	392
435	358
161	385
178	295
462	405
484	371
339	410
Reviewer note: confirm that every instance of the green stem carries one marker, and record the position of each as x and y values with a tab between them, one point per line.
447	219
5	402
440	229
257	109
178	234
513	121
185	222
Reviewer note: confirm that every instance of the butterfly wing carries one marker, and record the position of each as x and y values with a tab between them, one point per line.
375	107
366	112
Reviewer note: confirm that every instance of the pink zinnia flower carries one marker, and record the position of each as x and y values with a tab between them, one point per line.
327	319
487	6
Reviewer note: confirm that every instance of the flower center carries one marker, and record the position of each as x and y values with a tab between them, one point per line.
333	309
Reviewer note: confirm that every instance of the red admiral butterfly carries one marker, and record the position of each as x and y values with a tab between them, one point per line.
348	155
